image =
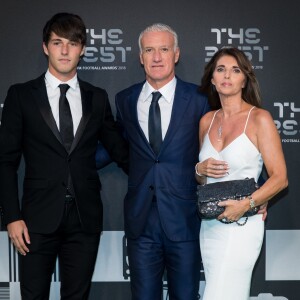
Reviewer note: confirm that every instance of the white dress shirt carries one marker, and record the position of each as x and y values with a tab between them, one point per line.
73	96
165	104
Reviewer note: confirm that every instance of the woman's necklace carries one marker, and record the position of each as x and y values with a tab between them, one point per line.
220	129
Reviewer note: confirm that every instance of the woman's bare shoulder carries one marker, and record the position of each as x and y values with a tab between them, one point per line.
207	117
261	116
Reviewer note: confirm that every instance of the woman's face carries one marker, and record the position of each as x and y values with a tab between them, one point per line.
228	77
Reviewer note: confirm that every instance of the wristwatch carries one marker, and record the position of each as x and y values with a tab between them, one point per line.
251	202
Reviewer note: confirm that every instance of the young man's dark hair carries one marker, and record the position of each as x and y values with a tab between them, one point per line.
66	25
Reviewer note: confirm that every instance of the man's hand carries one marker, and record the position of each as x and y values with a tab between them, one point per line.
18	233
263	211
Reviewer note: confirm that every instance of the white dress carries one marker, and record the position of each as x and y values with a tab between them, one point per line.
229	251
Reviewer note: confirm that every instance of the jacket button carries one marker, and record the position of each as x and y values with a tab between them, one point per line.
156	161
151	187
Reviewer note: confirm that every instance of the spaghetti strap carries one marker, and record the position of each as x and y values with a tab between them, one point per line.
248	118
212	120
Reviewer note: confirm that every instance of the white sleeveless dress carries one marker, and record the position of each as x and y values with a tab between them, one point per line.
229	251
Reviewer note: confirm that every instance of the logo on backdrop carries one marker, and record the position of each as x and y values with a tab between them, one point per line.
246	39
286	122
105	50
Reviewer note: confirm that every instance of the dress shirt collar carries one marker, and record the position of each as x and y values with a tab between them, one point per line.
54	82
167	91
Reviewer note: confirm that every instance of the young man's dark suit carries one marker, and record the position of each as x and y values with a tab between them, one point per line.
28	127
167	178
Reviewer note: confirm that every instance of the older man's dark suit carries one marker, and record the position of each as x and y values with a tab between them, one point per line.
169	176
28	128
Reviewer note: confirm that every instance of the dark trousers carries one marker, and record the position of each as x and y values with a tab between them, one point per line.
153	253
76	251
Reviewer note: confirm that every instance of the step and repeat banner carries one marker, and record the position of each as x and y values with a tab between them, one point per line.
267	32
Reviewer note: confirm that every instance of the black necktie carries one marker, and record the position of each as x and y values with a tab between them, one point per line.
65	117
154	123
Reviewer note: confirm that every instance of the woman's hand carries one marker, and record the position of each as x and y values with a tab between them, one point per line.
213	168
234	210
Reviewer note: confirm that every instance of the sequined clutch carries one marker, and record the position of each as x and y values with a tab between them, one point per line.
209	195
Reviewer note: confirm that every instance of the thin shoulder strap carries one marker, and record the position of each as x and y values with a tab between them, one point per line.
248	118
212	120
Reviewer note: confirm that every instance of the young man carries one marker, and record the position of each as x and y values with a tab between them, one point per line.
161	223
55	122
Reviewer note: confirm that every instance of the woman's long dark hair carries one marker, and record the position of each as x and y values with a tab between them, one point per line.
251	91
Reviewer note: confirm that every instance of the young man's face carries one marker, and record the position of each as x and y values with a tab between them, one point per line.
63	56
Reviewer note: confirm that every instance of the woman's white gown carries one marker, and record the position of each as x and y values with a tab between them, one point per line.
229	251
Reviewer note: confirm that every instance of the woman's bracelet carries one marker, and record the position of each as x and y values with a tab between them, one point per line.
251	202
196	170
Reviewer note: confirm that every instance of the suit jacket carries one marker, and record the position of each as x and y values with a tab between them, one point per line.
28	128
170	175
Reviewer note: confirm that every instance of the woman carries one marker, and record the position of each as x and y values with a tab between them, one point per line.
236	140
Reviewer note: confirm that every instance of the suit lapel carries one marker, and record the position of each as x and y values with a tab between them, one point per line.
41	99
134	96
181	102
133	99
86	100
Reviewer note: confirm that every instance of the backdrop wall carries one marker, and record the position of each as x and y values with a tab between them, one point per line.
268	33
